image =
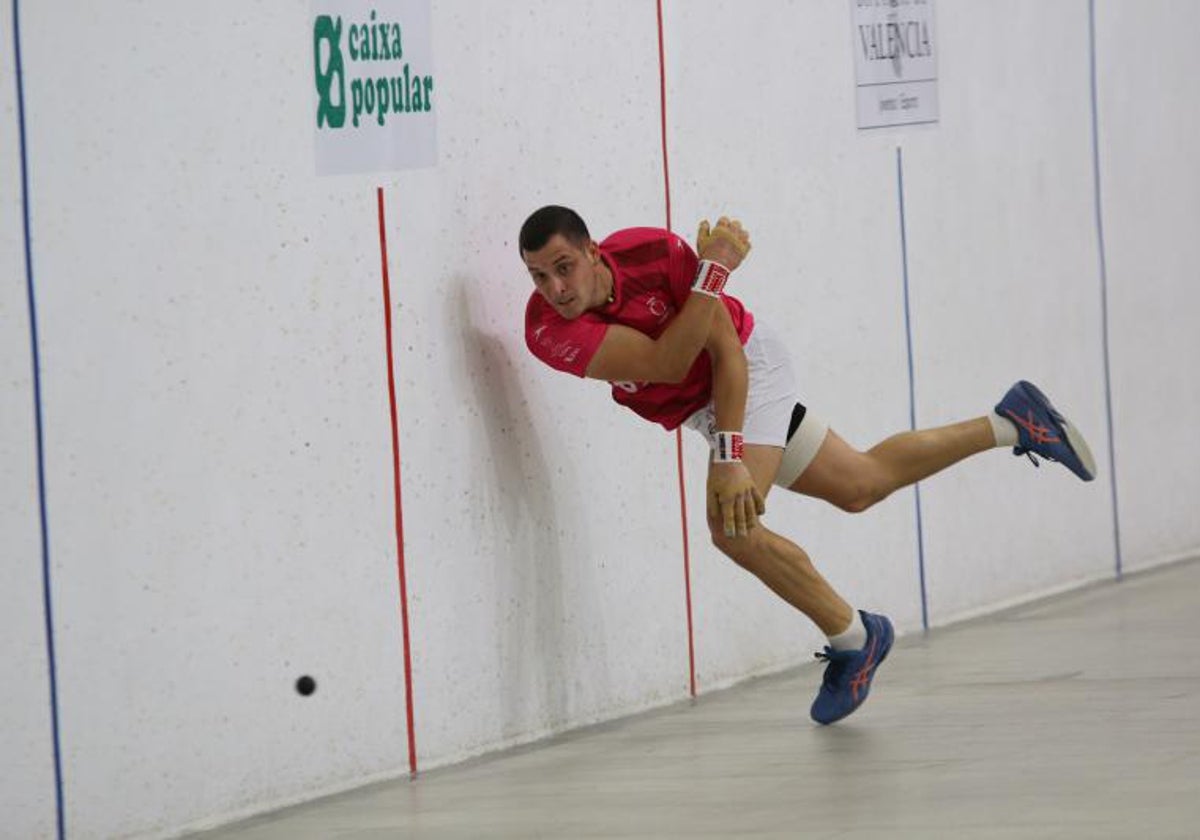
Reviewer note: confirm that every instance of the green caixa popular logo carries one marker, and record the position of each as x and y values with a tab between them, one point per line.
380	83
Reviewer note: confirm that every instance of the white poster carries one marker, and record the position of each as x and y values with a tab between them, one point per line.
895	62
375	96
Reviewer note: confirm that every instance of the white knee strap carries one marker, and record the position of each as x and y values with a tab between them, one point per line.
801	449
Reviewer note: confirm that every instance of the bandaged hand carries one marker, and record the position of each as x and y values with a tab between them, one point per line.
727	243
733	498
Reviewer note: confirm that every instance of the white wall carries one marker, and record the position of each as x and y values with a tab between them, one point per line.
545	596
1005	285
1149	131
219	467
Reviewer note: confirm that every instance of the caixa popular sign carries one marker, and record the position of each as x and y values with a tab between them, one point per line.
374	97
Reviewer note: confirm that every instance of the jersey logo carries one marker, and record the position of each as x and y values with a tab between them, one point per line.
658	308
565	350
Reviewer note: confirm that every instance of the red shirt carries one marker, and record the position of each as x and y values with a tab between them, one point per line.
652	271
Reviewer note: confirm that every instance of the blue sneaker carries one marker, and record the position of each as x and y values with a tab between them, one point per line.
849	673
1041	429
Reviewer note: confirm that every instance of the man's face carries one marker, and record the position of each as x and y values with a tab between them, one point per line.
567	276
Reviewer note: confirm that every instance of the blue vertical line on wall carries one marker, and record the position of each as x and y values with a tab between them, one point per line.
1112	457
37	408
912	388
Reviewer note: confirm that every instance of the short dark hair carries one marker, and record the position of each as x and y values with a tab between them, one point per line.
543	224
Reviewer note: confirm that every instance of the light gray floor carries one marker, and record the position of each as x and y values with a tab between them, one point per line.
1077	717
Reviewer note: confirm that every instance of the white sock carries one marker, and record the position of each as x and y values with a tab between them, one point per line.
853	637
1004	429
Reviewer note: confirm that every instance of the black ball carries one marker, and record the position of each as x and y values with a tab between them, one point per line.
306	685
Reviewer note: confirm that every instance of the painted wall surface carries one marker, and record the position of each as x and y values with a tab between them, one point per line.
1004	279
217	460
217	418
548	591
1151	198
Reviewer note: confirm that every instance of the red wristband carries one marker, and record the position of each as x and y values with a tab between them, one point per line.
710	278
728	447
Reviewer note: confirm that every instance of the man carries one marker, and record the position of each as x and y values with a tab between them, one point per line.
648	314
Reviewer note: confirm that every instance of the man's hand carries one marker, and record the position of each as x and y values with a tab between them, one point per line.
727	243
733	497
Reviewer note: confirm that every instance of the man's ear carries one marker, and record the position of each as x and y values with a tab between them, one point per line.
593	251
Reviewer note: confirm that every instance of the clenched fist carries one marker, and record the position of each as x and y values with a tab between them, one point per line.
727	243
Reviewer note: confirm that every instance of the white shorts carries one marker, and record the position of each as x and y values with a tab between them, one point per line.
772	409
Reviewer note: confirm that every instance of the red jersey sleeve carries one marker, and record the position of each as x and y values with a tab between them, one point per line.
683	267
564	345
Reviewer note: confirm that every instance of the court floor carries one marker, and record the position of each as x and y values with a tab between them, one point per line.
1075	717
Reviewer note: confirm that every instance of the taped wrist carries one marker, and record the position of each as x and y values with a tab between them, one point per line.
727	447
710	278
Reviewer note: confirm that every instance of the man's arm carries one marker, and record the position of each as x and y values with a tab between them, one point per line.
730	373
628	355
732	495
631	356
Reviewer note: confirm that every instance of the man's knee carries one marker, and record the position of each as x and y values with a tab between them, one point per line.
741	550
862	493
851	480
861	498
724	544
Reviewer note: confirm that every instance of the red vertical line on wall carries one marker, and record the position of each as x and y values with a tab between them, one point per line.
687	565
391	380
662	111
687	573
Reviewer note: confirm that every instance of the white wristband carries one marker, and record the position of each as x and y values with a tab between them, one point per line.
710	278
727	447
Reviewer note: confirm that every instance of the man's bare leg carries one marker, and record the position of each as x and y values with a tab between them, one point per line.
858	641
855	480
778	562
786	569
911	456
